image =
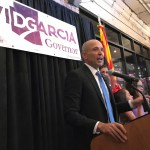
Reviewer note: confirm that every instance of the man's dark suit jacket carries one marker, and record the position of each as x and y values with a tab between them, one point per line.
84	106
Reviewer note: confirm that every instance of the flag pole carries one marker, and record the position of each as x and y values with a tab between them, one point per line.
99	20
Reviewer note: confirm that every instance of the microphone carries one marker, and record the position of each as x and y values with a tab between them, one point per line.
124	76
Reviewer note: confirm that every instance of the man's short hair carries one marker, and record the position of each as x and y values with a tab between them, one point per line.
103	66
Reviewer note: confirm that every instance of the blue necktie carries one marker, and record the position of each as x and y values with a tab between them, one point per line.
106	96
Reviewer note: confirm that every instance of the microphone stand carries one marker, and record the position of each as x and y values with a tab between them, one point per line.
145	103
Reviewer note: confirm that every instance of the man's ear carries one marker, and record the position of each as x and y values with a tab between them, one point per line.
84	56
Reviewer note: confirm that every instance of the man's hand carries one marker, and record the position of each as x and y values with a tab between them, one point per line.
116	130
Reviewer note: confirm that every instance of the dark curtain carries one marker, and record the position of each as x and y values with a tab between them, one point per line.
31	89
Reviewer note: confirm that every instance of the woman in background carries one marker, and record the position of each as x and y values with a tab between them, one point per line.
122	95
139	111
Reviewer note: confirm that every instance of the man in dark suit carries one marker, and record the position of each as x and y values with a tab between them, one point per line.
84	106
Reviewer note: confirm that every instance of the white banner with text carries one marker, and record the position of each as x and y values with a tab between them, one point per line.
24	28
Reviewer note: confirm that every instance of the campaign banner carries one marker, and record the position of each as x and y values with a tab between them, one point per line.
24	28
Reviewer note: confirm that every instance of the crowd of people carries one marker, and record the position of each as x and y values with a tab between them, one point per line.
127	93
86	96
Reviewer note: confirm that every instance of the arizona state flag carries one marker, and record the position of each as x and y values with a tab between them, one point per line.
104	42
107	53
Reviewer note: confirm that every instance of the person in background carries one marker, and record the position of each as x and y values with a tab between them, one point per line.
85	106
139	111
139	85
104	70
112	80
121	95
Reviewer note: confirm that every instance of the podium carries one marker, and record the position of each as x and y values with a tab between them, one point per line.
138	134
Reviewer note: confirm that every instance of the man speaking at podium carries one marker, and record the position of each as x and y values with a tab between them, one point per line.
89	104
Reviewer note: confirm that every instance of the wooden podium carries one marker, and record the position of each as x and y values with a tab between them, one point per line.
138	133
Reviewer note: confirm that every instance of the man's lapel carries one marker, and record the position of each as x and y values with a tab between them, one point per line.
93	82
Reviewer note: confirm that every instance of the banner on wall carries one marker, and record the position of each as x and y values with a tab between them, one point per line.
24	28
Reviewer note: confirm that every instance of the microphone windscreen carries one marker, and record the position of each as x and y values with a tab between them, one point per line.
110	72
